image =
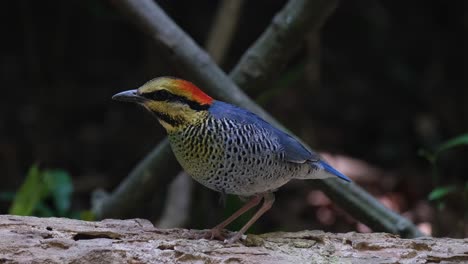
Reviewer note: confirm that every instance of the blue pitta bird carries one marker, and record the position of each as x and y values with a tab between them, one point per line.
226	148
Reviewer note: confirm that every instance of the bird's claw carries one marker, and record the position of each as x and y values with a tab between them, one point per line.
218	234
215	233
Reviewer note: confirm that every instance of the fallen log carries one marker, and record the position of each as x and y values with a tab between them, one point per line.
62	240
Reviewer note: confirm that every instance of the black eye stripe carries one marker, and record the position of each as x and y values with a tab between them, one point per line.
160	95
163	95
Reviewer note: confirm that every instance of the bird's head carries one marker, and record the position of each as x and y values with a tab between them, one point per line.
176	103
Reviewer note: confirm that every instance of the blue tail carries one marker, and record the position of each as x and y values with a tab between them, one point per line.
331	170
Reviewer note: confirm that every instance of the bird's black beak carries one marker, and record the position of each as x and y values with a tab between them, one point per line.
129	96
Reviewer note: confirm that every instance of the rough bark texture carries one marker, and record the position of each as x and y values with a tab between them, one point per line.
60	240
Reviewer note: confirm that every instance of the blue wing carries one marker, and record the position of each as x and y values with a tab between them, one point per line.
294	151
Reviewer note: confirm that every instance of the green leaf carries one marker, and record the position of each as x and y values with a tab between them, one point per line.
440	192
60	186
454	142
30	193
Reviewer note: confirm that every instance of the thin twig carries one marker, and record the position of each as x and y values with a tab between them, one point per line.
177	207
222	31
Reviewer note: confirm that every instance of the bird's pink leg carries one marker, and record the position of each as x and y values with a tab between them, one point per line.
216	231
269	199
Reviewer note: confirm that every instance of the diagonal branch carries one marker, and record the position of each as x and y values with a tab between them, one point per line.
280	41
193	61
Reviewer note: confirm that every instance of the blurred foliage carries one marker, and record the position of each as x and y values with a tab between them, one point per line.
461	140
439	193
30	193
45	193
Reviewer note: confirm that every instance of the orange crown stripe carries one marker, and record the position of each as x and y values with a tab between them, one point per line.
195	92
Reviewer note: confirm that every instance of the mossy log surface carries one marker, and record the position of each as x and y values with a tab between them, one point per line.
61	240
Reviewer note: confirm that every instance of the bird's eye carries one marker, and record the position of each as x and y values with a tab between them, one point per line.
161	95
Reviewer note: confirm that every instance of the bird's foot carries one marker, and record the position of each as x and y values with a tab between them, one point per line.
220	234
215	233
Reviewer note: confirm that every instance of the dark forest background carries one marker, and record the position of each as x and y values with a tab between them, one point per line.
380	84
